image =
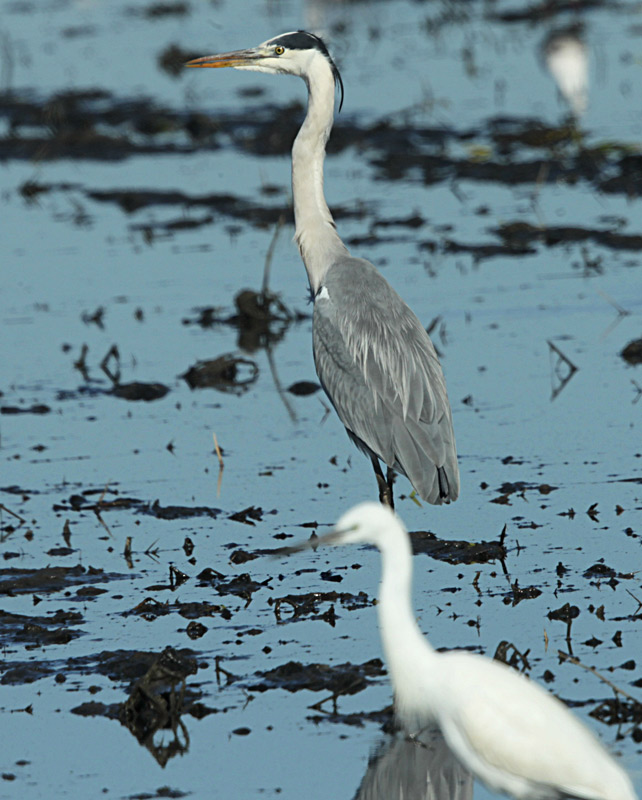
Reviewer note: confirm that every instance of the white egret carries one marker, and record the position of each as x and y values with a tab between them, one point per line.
373	357
507	730
566	56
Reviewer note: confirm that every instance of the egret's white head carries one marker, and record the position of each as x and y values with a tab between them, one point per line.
366	523
294	53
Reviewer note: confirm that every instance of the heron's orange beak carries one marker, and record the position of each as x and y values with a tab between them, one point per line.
237	58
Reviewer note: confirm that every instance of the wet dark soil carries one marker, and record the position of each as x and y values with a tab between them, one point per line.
74	125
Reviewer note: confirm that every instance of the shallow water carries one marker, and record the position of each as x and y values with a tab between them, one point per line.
558	462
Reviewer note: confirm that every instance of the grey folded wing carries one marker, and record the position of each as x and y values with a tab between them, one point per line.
381	372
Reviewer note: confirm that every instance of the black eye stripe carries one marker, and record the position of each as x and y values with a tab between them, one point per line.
302	40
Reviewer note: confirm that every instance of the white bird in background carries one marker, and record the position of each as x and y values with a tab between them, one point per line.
507	730
566	57
373	357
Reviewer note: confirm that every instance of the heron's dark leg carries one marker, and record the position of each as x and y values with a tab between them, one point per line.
385	488
390	479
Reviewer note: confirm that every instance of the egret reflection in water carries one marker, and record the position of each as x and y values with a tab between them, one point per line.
417	768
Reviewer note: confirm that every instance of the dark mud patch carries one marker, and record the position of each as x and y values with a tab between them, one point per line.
480	251
154	11
384	718
307	605
137	390
243	586
343	679
17	580
303	388
118	666
36	408
227	373
538	12
150	609
632	353
520	488
261	319
158	700
459	551
81	503
97	125
34	632
523	234
173	58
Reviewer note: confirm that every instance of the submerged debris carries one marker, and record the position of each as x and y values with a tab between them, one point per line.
343	679
18	580
140	391
458	551
305	605
632	353
157	702
223	373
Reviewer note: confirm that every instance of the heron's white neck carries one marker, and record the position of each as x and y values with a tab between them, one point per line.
406	649
315	234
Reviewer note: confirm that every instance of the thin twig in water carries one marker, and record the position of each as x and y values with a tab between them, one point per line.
13	513
102	496
221	465
127	552
269	254
102	522
565	657
563	379
639	602
277	384
622	312
542	177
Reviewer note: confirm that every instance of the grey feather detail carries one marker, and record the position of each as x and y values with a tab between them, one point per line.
381	372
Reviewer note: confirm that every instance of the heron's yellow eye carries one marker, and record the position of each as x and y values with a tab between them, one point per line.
279	50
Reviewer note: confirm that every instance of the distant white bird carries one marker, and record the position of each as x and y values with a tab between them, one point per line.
508	731
566	57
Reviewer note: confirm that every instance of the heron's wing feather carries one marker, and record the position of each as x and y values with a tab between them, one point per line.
381	372
507	723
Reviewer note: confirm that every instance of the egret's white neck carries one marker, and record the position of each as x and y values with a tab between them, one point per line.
406	649
315	233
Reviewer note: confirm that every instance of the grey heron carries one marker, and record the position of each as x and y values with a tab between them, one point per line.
506	729
373	357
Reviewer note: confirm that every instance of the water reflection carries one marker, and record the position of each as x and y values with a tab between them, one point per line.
566	57
153	710
420	768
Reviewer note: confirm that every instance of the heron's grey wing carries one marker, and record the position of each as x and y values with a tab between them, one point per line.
381	372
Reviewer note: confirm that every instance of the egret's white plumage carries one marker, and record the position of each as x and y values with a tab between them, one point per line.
507	730
373	357
566	57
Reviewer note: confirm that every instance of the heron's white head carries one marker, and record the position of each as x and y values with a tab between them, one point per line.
295	53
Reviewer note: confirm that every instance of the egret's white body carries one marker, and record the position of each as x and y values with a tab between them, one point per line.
567	60
508	731
373	357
